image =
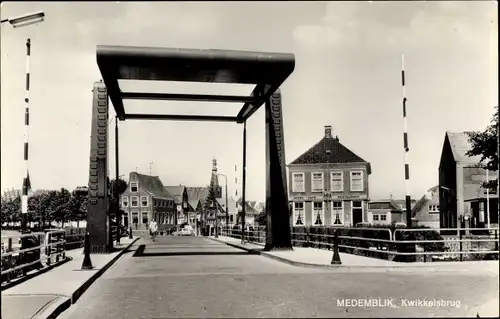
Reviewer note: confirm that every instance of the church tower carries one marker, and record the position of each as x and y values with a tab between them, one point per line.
214	180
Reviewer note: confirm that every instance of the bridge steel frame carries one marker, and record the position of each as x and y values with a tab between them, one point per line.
267	71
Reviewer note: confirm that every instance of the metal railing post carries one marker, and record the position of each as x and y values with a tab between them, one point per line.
461	247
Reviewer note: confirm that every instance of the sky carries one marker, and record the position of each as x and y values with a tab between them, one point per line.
347	75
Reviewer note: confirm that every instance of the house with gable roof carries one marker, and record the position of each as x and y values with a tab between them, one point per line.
460	186
328	185
426	211
196	200
146	199
180	195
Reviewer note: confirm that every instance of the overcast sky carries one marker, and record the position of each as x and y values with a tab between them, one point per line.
347	75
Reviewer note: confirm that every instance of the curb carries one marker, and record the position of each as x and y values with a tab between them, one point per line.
76	295
35	274
52	312
323	266
54	308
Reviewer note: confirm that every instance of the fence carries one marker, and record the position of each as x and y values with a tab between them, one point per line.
400	245
37	248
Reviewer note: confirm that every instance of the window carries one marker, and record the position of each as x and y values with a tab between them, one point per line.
433	208
134	201
230	218
337	213
134	187
357	181
375	217
135	217
318	214
144	201
298	182
145	217
383	217
124	201
337	182
317	185
298	214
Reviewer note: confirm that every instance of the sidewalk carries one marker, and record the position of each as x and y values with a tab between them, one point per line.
54	291
321	258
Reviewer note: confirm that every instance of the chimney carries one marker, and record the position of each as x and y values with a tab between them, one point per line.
328	131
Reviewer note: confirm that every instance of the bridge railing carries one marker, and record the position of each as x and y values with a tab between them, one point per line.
26	252
403	245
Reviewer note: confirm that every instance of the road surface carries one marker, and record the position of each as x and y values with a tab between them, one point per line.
193	277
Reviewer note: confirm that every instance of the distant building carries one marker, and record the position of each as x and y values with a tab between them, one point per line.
427	210
146	199
179	193
384	211
401	204
460	179
329	185
251	212
196	202
233	210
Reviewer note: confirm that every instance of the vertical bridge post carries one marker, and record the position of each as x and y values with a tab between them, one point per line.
98	225
278	215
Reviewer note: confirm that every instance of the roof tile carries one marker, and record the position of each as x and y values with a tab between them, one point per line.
318	153
152	184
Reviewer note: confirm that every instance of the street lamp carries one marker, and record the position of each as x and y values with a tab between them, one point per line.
21	21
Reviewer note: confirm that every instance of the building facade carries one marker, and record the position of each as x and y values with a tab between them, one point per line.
181	206
328	185
427	210
145	199
383	212
460	179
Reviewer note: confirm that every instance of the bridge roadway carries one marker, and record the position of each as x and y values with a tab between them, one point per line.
194	277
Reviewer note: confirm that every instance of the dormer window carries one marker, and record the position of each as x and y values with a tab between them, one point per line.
134	187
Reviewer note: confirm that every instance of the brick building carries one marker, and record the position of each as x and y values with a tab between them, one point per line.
180	195
145	199
460	179
329	185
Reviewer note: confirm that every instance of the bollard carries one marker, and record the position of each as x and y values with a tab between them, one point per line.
130	233
87	263
336	256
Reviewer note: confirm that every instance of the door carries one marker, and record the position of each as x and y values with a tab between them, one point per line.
357	212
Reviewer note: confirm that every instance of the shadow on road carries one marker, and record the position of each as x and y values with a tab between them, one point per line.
140	253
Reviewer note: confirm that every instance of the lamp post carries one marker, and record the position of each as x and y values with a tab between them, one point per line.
214	207
16	22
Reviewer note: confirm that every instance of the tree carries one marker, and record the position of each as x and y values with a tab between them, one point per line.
62	211
122	187
262	217
208	204
79	202
11	206
485	144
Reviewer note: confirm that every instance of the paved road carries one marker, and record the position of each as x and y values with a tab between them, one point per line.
188	277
